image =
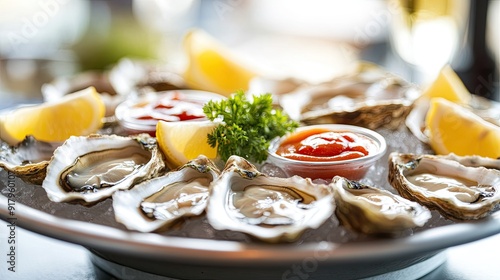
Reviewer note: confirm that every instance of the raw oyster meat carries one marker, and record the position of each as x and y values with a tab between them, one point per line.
28	160
374	211
154	204
269	208
444	183
92	168
369	97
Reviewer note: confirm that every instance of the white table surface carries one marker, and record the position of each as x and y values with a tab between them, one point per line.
41	257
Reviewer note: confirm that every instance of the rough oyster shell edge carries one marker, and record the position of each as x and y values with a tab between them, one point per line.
450	202
76	146
362	208
126	203
240	174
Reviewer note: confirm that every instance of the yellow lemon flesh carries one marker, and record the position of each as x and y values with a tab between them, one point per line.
79	113
212	67
184	141
448	85
454	129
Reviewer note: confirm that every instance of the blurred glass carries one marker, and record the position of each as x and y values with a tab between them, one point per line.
113	32
493	32
427	33
311	40
40	27
169	20
35	44
475	62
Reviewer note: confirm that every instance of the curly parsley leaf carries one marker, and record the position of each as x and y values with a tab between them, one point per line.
247	126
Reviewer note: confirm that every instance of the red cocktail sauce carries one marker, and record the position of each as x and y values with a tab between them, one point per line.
142	116
321	144
174	107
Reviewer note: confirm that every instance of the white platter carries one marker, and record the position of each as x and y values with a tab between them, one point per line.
208	257
151	252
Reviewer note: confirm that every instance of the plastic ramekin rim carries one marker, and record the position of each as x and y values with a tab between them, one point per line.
375	136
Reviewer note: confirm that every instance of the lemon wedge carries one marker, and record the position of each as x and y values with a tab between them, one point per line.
211	65
78	113
448	85
184	141
454	129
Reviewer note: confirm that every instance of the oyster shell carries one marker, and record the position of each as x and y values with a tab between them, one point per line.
369	97
374	211
92	168
128	78
269	208
444	183
28	160
156	203
135	77
474	161
276	87
65	85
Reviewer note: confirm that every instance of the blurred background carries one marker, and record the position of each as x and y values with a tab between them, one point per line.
313	40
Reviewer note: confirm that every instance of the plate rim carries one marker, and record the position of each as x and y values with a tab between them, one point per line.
196	250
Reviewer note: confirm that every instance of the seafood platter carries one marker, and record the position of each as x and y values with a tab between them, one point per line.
387	199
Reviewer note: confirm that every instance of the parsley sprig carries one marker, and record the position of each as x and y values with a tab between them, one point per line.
247	126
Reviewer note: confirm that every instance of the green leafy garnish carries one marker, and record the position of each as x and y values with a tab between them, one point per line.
247	126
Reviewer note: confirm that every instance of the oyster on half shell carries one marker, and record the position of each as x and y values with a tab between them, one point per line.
455	186
269	208
370	97
91	168
374	211
154	204
28	160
